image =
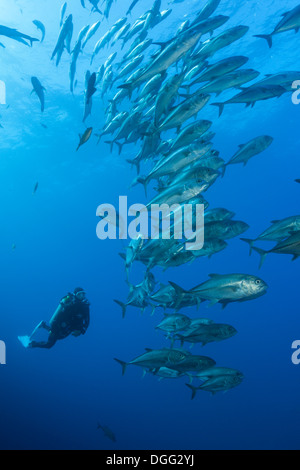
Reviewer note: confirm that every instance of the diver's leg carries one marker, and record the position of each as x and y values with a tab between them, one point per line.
44	344
44	325
26	341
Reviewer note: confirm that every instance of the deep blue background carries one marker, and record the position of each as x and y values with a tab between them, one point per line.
53	399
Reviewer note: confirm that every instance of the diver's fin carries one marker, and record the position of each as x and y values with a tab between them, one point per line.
24	340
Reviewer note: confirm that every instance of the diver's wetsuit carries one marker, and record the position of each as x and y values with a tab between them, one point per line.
71	317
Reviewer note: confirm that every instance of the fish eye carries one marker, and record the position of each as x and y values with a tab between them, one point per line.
257	281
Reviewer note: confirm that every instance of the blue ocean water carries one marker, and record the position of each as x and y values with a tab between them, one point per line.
53	399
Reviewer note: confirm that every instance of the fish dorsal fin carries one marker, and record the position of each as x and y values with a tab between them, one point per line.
274	221
148	349
213	275
241	146
284	14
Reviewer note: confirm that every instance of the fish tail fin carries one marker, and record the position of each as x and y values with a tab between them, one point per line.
194	390
136	163
144	182
250	243
267	37
262	254
123	307
220	106
179	293
224	170
32	40
122	364
153	308
127	87
111	143
177	288
120	146
187	88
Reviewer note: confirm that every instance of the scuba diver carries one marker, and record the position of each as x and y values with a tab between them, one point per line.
72	317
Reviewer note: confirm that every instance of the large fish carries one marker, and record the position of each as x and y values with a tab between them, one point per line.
206	333
39	90
217	384
174	323
75	53
227	37
218	214
65	32
181	113
95	6
131	7
90	33
154	359
171	54
107	432
194	363
85	137
62	13
226	288
224	229
16	35
249	96
231	80
250	149
41	27
289	246
290	21
279	230
166	95
206	11
283	79
190	133
219	69
176	161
